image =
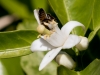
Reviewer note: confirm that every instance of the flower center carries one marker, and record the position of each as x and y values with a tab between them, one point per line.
47	28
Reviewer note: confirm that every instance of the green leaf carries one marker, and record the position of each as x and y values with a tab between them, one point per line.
79	10
96	19
30	65
92	69
27	25
64	71
15	7
96	15
91	35
11	66
16	43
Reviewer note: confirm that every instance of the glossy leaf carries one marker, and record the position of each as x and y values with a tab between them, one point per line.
79	10
96	19
16	43
96	15
91	35
92	69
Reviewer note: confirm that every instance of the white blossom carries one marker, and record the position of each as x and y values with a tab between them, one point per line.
57	40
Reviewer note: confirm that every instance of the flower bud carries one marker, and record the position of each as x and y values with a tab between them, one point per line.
83	45
64	59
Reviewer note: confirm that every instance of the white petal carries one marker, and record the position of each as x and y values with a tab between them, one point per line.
37	16
68	27
49	57
56	39
71	41
40	45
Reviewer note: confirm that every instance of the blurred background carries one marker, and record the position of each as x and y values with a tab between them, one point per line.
18	14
